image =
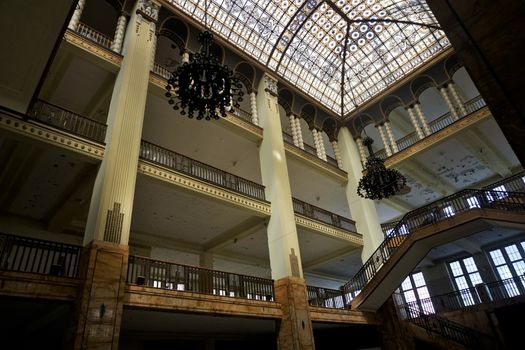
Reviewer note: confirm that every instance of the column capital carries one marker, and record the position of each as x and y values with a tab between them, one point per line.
148	9
270	84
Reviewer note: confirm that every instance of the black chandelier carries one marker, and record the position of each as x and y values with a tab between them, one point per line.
378	181
204	87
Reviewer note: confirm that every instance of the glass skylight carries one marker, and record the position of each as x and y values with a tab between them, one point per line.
306	42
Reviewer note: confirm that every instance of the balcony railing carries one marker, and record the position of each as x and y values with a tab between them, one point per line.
93	35
161	71
194	168
434	212
241	113
437	124
326	297
514	183
313	212
38	256
63	119
168	275
481	293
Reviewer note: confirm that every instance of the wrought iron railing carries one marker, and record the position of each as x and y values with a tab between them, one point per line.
194	168
514	183
442	326
434	212
168	275
481	293
93	35
323	215
241	113
63	119
327	298
161	71
38	256
437	124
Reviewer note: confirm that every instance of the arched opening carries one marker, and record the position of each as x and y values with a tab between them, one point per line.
329	149
432	104
100	16
464	84
400	122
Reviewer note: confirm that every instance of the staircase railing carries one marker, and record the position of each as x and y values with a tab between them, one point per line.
167	275
26	254
445	328
434	212
437	124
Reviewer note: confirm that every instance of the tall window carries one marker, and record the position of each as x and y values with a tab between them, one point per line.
466	276
510	265
499	193
415	294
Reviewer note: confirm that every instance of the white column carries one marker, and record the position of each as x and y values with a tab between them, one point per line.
109	217
321	151
423	119
453	89
384	139
414	121
363	210
299	133
119	33
75	18
283	243
253	107
361	148
185	57
294	130
451	108
337	154
391	137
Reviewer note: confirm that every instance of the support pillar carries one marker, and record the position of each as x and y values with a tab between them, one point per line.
185	57
391	137
453	90
295	328
318	143
118	38
384	139
153	51
362	152
75	18
363	210
253	107
337	154
299	133
415	123
293	129
444	94
423	119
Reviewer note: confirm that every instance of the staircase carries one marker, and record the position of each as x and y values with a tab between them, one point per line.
448	219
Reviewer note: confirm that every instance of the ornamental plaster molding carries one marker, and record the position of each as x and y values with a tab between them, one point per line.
88	45
328	230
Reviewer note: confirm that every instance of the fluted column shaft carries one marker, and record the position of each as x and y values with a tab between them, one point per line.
75	18
253	107
384	139
118	38
414	121
391	137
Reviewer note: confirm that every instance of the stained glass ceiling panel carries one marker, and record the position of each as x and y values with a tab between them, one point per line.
340	52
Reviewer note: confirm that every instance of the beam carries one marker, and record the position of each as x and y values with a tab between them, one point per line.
344	252
485	151
230	236
152	240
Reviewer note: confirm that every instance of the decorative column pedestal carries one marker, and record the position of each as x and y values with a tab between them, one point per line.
99	306
295	330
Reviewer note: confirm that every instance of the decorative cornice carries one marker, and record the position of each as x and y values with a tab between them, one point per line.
329	230
148	9
205	188
92	47
51	136
302	155
438	137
